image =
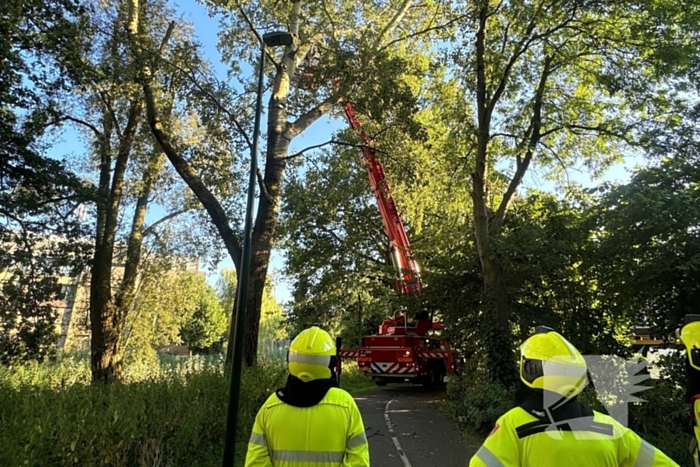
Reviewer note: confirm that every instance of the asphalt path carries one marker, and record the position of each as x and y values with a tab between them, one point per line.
405	429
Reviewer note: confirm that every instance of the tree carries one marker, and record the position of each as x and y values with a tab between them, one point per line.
106	105
39	198
207	325
165	303
271	313
648	236
546	82
352	52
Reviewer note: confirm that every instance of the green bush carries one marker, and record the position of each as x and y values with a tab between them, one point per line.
353	380
476	404
175	418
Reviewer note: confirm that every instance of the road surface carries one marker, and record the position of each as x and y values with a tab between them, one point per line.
405	429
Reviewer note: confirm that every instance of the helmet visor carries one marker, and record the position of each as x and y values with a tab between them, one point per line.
555	376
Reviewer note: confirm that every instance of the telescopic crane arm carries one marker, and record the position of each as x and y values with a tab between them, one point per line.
401	255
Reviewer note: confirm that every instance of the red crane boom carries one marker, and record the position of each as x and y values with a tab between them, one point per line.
401	255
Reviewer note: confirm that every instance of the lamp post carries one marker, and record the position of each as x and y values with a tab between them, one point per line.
271	39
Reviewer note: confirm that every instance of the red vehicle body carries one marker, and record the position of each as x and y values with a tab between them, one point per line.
406	352
401	350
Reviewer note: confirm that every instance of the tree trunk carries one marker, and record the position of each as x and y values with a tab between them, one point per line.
105	321
496	326
498	337
127	290
263	236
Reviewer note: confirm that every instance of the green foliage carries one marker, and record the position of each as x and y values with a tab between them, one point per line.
178	419
476	404
353	380
166	305
64	370
38	195
171	415
207	325
649	241
271	313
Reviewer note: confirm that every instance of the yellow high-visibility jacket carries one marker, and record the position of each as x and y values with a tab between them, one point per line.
520	440
330	433
696	431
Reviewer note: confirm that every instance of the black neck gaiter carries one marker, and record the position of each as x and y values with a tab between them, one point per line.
301	394
532	401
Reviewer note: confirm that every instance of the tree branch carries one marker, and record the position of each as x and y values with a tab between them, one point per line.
94	129
305	120
393	23
536	125
332	141
218	104
151	228
163	45
110	110
424	31
602	130
340	241
183	168
247	19
561	162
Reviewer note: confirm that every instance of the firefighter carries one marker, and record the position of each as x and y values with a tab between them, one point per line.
550	427
310	421
690	337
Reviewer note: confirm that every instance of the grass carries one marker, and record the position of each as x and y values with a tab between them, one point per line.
170	412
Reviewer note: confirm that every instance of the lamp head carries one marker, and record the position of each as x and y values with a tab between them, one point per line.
278	38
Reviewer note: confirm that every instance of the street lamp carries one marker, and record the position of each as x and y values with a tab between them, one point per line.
271	39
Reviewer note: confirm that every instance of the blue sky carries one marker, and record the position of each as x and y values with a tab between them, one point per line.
206	30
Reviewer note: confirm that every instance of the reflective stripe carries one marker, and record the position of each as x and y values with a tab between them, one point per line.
307	456
256	438
323	360
488	458
550	368
645	458
357	440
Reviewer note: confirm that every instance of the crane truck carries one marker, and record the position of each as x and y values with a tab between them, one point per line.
402	350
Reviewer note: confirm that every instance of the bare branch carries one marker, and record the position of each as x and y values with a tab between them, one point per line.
94	129
561	162
332	141
601	129
247	19
551	131
505	135
151	228
393	23
306	119
424	31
